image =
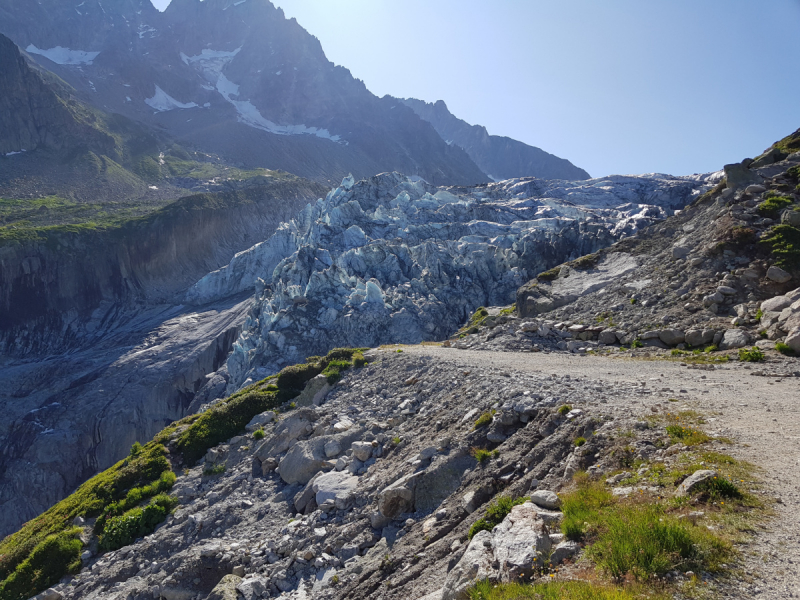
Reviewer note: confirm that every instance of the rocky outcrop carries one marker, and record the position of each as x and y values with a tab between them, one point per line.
36	112
392	260
500	157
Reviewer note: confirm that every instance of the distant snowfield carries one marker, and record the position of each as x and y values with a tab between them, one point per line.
64	56
212	62
162	102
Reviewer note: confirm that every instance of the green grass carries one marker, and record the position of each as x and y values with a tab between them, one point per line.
148	467
642	540
495	513
560	590
582	507
54	557
481	454
564	410
773	204
549	275
579	441
485	419
259	434
754	354
784	349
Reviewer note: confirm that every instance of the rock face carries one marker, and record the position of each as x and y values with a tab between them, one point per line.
499	157
32	113
243	82
390	260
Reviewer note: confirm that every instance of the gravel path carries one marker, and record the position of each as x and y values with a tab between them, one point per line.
761	413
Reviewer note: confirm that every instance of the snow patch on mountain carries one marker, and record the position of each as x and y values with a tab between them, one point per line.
211	64
64	56
162	102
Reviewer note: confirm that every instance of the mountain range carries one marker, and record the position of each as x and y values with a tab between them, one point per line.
239	80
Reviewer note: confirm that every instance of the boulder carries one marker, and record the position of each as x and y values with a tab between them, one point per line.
332	448
362	450
737	175
564	550
302	462
474	565
398	498
735	338
755	189
793	340
302	498
288	430
791	217
607	337
225	589
253	587
777	274
49	594
672	337
314	392
259	421
699	337
695	479
474	499
518	540
715	298
336	486
545	499
726	290
679	252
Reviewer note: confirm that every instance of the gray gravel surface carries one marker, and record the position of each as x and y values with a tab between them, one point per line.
760	412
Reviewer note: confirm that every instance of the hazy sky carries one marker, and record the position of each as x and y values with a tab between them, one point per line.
615	86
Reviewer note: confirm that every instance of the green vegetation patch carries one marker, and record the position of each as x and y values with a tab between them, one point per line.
50	560
642	540
146	469
773	204
485	419
227	418
754	354
550	274
559	590
495	513
784	349
137	522
784	243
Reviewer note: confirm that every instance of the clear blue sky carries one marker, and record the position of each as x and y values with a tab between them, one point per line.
615	86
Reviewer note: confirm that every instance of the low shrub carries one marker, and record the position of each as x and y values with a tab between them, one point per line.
259	434
135	523
784	244
754	354
481	454
49	561
495	513
773	204
637	344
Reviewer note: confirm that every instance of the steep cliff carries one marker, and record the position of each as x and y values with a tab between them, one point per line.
58	281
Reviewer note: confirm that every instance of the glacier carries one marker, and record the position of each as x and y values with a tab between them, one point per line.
162	102
64	56
393	260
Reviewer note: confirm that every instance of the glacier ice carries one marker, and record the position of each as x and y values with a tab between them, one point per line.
64	56
392	260
162	102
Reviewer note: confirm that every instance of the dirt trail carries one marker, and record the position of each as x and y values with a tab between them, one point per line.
762	414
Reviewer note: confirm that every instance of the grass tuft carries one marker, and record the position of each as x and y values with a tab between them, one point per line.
495	513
